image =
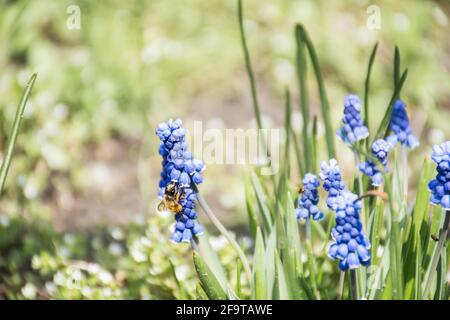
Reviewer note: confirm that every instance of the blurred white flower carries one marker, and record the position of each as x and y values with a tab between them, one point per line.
107	292
105	277
31	189
29	291
94	268
115	248
60	111
401	22
182	271
440	16
86	292
436	136
218	242
4	220
59	278
137	252
284	71
50	287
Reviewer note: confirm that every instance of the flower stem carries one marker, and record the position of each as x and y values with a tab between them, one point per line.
405	178
437	253
353	285
361	190
308	230
341	285
223	231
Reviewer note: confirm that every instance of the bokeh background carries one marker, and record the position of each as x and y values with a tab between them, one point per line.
78	218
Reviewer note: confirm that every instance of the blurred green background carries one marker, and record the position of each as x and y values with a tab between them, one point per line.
82	188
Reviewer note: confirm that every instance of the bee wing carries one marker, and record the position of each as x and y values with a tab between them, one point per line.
162	206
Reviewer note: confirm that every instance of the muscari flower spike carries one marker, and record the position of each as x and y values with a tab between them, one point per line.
330	173
440	186
178	165
307	202
353	128
402	132
380	149
351	246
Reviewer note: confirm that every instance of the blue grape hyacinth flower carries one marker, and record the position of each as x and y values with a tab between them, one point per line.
330	174
179	166
350	246
353	128
308	200
380	150
400	127
440	186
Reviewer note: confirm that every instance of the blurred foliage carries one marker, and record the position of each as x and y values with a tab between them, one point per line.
113	263
134	63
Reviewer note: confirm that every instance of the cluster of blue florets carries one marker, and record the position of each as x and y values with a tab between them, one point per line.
401	131
330	173
353	128
178	165
351	247
308	200
380	149
440	186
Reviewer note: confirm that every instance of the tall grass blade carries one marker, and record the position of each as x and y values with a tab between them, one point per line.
329	132
383	129
261	200
396	66
251	76
15	131
249	202
280	291
303	90
184	295
367	89
259	280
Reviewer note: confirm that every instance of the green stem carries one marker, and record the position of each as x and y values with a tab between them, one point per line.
405	178
14	132
308	230
248	65
341	285
361	191
437	253
223	231
353	285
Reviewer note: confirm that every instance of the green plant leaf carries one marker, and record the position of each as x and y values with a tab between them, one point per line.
212	259
200	293
329	132
396	66
271	245
312	270
304	99
249	68
280	291
367	89
259	285
249	202
383	128
291	258
184	295
262	201
15	131
208	280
